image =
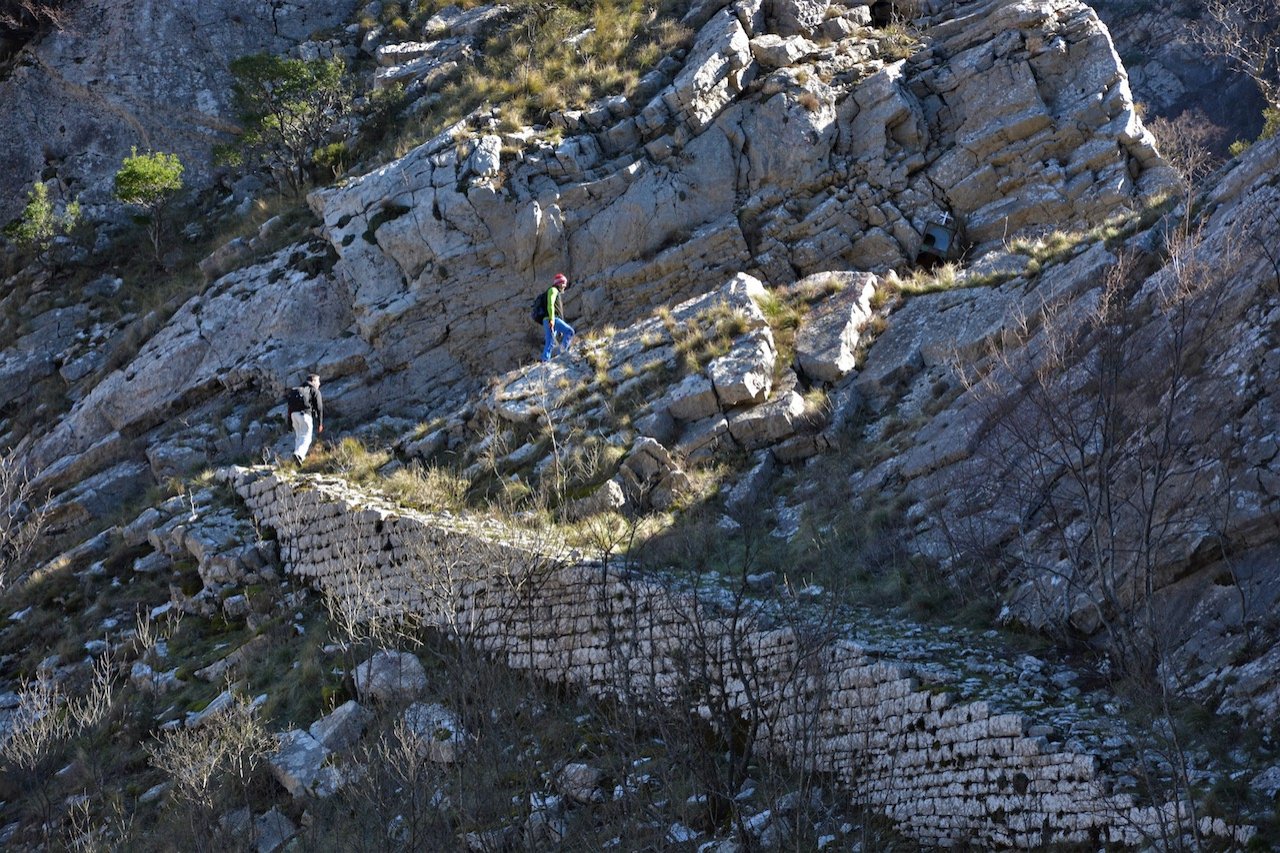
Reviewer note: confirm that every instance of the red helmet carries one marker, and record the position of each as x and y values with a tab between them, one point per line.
561	279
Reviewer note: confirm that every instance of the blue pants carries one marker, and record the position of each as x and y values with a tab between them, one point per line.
562	330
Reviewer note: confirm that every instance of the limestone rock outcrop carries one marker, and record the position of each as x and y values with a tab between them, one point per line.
747	154
827	343
790	141
697	375
1171	74
648	207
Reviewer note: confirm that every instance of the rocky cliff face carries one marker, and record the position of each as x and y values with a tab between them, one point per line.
1009	117
668	194
1171	74
122	74
1186	456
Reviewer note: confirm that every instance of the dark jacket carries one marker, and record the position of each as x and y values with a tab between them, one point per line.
313	404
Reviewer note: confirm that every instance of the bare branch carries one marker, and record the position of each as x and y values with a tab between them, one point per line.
22	519
27	17
1247	34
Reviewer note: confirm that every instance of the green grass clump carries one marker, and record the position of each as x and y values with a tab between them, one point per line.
430	488
555	56
897	42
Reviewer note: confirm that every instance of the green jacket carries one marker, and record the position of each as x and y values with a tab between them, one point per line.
552	296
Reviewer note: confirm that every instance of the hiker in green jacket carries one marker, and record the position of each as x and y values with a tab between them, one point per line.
555	327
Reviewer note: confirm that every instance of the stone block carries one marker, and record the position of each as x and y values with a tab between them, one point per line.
609	496
440	735
297	761
580	783
827	341
693	398
768	423
390	676
342	727
272	831
745	373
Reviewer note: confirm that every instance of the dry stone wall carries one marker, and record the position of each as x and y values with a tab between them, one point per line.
945	772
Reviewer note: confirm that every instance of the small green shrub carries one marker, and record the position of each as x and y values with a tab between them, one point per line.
1270	122
333	157
39	223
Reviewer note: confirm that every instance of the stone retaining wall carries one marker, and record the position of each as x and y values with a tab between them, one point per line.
946	773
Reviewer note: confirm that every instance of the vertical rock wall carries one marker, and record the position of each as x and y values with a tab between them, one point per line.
946	773
124	73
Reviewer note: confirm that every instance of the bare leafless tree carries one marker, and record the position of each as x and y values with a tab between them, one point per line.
729	678
210	765
23	22
1187	142
23	513
48	718
1247	34
19	16
1088	430
1102	470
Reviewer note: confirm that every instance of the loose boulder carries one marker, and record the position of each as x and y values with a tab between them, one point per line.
341	727
390	677
440	736
650	477
828	339
607	497
771	422
580	782
297	762
745	373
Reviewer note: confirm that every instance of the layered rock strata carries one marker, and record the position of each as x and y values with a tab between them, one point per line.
1199	314
762	149
758	152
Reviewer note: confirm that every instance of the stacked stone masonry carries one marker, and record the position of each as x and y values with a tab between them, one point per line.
945	773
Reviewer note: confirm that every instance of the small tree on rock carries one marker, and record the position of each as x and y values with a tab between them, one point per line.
287	107
39	223
150	181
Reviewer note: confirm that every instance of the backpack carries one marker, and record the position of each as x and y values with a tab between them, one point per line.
296	399
538	311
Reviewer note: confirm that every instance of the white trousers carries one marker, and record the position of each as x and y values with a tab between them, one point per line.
301	434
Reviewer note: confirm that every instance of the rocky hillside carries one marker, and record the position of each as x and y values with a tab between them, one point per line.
1063	429
120	75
